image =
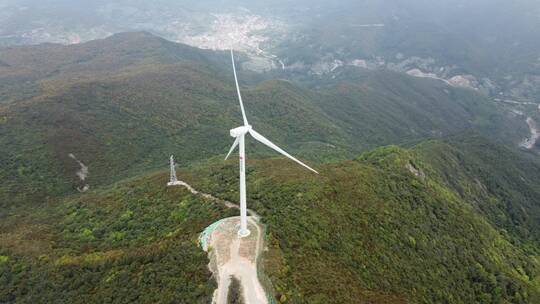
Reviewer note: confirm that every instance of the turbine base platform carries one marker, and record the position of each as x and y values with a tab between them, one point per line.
174	183
243	233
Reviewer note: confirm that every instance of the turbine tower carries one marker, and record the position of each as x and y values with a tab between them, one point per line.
174	180
239	134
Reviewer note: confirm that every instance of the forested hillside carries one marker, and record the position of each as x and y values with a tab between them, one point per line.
122	105
428	224
449	215
135	241
420	225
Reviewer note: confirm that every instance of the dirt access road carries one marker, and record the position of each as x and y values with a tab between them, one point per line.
233	256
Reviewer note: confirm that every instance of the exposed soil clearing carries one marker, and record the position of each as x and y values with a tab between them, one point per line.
82	173
209	196
529	143
233	256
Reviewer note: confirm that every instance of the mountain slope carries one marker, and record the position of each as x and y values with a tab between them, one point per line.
499	184
124	117
385	108
25	67
391	227
121	105
135	241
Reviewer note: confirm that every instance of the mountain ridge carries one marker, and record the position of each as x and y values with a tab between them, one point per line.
433	220
129	117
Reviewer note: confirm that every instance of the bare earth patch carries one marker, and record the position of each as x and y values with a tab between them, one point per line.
231	255
82	173
234	256
529	143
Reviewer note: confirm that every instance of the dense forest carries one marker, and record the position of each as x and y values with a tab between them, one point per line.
135	241
392	226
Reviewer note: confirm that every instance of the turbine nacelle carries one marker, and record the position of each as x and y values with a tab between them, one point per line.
243	130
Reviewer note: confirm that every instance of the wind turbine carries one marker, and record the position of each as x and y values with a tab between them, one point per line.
239	134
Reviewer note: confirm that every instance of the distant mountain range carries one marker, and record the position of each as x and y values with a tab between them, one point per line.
491	47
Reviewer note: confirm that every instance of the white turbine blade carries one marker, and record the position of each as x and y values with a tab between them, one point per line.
236	141
238	90
265	141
